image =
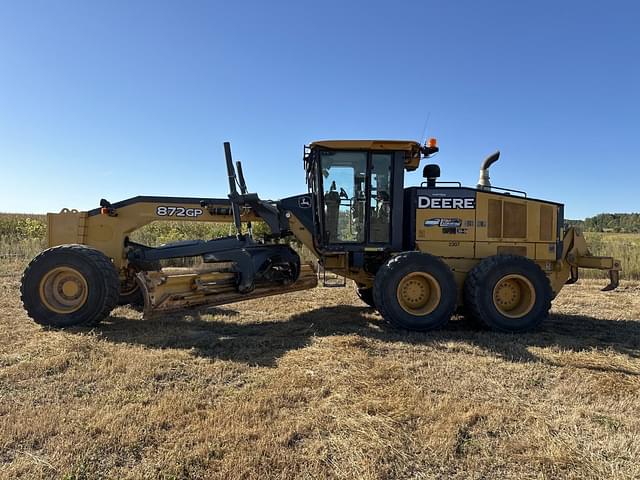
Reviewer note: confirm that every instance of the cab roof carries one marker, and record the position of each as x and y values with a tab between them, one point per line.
406	145
412	148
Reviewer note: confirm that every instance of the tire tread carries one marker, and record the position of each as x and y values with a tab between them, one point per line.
388	269
475	280
99	260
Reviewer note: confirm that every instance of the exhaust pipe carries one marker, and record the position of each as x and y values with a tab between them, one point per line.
483	182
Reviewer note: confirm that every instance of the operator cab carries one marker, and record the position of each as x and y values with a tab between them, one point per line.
358	191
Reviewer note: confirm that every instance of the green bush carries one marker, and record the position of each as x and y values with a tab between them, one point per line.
157	233
23	227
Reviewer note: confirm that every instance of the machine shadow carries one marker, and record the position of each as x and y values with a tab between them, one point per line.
263	343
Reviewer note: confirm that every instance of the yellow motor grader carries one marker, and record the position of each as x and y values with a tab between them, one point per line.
415	253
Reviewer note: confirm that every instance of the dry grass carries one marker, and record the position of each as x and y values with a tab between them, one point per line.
314	385
623	246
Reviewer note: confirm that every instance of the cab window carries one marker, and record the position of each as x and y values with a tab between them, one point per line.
344	195
380	200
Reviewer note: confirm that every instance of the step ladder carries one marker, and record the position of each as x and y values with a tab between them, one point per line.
332	269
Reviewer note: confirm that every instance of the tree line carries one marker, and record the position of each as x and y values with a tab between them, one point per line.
609	222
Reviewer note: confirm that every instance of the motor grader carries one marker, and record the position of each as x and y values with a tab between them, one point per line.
415	253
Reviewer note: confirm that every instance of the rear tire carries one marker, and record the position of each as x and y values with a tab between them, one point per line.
70	285
415	291
366	295
508	293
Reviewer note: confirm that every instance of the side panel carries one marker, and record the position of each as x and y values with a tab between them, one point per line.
464	225
68	226
445	222
445	227
516	225
300	213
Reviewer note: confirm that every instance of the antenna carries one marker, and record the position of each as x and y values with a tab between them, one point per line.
424	128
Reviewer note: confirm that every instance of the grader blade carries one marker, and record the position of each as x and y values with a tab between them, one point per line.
174	289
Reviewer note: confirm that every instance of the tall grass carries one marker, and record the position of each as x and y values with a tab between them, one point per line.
623	246
22	237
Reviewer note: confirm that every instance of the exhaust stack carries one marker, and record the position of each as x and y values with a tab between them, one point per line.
483	182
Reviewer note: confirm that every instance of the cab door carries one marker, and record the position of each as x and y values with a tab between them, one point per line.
343	176
380	196
359	206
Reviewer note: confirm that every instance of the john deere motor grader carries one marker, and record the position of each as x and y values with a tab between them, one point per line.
415	253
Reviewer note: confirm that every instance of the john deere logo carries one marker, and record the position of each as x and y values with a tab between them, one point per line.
304	202
447	203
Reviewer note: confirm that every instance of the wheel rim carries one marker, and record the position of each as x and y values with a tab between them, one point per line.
63	290
514	296
418	293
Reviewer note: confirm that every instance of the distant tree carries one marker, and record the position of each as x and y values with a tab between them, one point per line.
575	223
613	222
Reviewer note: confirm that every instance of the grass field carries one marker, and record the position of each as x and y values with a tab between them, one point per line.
315	385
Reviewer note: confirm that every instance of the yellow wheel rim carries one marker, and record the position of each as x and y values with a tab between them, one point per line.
514	296
418	293
63	290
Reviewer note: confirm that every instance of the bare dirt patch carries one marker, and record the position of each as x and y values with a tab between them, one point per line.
314	385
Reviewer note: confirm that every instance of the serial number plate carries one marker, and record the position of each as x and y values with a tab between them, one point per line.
163	211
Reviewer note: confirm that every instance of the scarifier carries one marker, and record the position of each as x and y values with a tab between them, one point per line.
416	254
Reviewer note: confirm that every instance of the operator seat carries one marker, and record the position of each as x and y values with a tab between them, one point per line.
332	212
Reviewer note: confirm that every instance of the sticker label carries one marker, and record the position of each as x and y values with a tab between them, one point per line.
443	222
166	211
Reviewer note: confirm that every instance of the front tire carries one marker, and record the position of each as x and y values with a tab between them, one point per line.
70	285
415	291
508	293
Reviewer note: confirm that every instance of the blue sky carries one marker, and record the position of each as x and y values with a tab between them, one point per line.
120	98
